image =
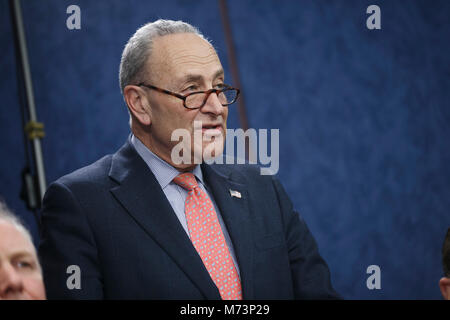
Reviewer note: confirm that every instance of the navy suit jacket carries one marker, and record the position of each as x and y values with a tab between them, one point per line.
113	221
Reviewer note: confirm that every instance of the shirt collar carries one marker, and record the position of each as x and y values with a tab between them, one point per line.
164	172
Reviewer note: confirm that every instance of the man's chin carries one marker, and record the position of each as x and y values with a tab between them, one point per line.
199	151
212	150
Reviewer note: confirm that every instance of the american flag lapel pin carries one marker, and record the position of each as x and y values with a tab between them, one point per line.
234	193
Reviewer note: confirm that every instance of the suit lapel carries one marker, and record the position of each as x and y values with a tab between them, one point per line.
141	195
236	215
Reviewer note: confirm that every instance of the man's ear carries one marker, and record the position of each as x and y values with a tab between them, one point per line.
444	285
137	103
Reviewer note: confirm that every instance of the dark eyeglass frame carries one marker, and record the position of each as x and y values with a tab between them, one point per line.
184	97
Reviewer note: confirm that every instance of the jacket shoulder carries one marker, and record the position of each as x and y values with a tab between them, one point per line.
95	173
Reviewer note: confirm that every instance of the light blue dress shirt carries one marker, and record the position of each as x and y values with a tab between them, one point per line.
164	174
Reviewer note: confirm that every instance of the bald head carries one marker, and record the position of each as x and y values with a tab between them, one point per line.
174	54
20	271
139	49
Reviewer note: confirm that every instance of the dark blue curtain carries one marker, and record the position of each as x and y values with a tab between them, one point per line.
363	115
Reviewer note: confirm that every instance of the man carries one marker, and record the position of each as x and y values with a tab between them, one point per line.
140	224
20	272
444	283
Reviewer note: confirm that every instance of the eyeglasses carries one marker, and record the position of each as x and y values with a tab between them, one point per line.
195	100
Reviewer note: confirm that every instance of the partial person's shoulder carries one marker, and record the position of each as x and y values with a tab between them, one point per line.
95	173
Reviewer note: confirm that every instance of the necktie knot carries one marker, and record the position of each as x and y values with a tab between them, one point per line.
186	180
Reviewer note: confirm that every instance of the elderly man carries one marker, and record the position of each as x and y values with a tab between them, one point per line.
140	224
20	272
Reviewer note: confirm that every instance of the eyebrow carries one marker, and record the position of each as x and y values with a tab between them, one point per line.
198	78
23	254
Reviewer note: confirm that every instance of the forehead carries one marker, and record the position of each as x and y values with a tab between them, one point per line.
177	55
13	240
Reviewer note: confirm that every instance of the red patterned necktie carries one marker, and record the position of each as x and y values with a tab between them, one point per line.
207	238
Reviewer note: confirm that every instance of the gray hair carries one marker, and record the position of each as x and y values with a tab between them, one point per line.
139	47
6	215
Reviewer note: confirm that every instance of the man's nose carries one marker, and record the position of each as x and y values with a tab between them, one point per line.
213	105
10	281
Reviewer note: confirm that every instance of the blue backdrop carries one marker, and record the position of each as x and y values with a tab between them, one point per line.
363	115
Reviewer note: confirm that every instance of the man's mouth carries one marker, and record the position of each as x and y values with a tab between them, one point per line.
212	128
